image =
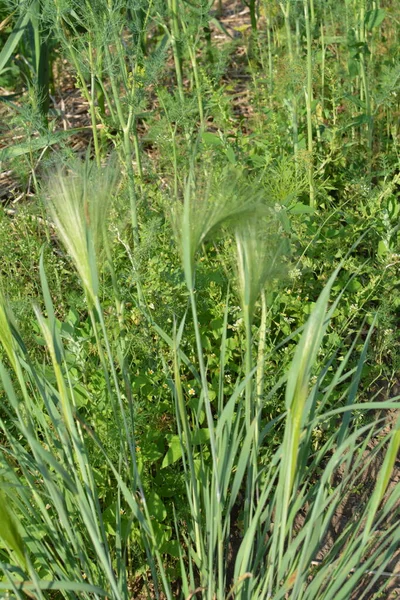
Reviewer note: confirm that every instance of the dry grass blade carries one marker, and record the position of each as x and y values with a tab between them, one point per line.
6	21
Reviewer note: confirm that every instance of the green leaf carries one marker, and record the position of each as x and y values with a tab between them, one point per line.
355	99
156	506
58	348
201	436
354	285
362	119
170	547
220	26
151	452
231	155
353	67
37	143
299	209
373	18
383	477
7	97
13	39
382	248
162	533
335	39
174	452
211	139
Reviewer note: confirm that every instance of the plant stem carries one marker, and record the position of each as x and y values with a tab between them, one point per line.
89	96
261	356
175	41
253	15
293	100
309	98
41	54
92	105
193	60
204	384
270	64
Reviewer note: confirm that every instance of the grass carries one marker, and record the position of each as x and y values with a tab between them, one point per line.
54	449
198	310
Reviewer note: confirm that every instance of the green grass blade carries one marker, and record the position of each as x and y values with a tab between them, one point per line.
9	531
13	39
69	586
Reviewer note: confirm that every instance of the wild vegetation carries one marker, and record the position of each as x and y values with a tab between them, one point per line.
199	299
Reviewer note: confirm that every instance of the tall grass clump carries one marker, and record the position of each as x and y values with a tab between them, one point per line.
260	496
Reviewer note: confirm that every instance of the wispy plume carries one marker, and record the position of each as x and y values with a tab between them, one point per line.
208	205
78	198
260	248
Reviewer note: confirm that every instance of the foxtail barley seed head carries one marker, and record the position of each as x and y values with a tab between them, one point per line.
209	205
78	199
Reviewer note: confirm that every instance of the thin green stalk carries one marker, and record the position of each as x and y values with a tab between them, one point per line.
198	86
137	150
132	124
204	384
89	99
249	416
220	554
364	83
92	105
41	53
127	151
184	420
298	37
253	14
293	100
173	131
368	110
131	185
261	357
129	80
323	57
312	13
175	42
295	129
270	63
309	99
249	411
193	60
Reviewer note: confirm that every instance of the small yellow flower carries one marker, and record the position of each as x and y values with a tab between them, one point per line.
191	392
